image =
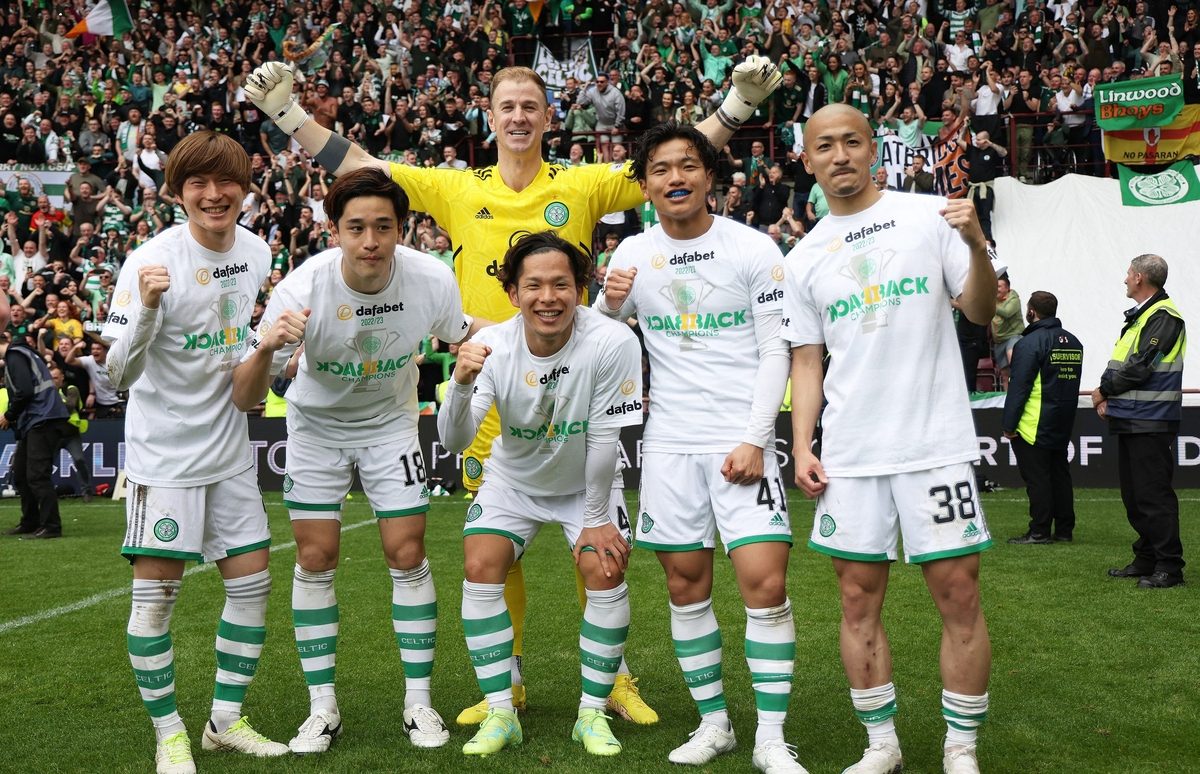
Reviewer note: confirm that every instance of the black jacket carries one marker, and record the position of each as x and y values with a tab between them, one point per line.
1043	386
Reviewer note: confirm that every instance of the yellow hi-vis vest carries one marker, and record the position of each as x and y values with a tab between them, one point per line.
1160	398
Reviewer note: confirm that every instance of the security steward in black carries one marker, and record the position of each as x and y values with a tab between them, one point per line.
1039	415
38	418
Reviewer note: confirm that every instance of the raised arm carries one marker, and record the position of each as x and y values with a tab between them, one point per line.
270	88
753	81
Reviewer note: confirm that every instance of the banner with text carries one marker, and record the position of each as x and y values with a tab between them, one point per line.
581	65
1156	144
1139	104
1092	452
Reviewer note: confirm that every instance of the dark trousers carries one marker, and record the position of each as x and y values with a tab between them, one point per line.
1047	479
1146	463
33	466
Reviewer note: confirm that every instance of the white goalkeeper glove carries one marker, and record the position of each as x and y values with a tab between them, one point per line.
269	87
753	81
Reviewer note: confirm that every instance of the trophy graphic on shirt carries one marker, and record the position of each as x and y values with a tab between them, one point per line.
867	271
687	295
547	410
370	344
229	308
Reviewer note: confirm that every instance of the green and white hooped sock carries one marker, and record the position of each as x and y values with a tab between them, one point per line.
770	654
876	710
240	638
414	620
148	639
698	648
489	633
602	636
315	617
964	715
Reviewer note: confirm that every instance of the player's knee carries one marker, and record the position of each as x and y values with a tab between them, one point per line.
958	598
859	604
407	555
482	567
767	590
686	588
316	557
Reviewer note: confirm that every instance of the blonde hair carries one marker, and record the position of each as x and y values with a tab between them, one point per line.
518	74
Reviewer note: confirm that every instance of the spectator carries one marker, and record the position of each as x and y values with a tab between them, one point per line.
73	433
773	198
1006	325
985	162
916	178
102	400
450	159
1039	417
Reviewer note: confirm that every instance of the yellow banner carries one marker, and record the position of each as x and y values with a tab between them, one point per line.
1159	144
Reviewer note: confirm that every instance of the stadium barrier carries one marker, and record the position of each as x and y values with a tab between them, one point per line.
1093	452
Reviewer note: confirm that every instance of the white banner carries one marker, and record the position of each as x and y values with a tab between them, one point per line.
50	179
1074	239
895	155
581	66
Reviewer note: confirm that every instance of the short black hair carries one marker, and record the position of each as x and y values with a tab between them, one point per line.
369	181
544	242
664	133
1043	303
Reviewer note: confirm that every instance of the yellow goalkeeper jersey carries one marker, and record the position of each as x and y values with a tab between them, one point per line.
484	216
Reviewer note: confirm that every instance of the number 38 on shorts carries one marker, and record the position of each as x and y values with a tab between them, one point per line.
935	512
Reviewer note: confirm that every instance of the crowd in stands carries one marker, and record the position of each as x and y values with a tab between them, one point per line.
411	81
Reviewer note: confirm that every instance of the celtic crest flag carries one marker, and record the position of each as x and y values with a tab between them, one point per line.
1177	183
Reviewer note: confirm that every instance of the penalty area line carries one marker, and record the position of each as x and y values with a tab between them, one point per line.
105	596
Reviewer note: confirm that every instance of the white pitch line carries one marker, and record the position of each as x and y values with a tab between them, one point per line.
104	596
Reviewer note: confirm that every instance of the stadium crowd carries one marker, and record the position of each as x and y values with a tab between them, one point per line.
411	82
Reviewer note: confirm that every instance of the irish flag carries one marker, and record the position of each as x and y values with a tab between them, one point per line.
109	17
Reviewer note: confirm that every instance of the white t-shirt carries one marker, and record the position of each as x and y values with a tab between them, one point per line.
102	386
548	404
357	383
697	302
875	288
181	427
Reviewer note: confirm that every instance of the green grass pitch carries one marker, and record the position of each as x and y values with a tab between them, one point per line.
1089	674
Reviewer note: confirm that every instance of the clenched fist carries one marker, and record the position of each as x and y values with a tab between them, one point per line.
288	329
617	284
753	81
153	281
470	361
269	87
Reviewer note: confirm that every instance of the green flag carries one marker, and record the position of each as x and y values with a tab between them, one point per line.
1139	104
1177	183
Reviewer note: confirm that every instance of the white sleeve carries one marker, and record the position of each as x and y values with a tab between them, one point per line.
616	401
603	451
460	416
767	296
801	318
770	380
453	325
127	356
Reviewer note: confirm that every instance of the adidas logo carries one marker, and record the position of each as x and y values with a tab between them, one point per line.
777	521
971	531
424	492
484	214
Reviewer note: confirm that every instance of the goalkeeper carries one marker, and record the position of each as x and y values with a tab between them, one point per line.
486	210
